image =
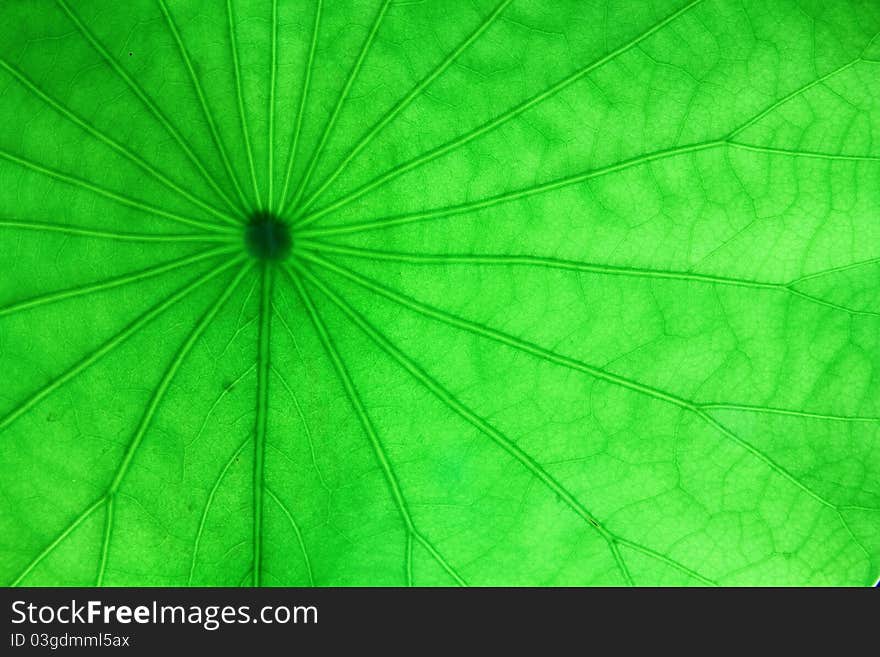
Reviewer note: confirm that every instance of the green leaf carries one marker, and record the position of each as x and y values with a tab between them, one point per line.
484	292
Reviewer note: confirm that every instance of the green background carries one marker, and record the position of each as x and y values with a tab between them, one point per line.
581	293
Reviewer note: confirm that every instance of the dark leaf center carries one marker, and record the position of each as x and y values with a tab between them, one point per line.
267	237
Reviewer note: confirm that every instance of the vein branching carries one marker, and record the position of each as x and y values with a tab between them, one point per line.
219	399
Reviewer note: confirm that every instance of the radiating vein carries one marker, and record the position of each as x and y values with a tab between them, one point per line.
110	283
115	196
403	103
204	518
307	76
209	117
111	344
498	199
267	276
334	115
297	532
503	260
467	414
367	424
569	265
147	101
236	69
492	124
105	139
75	231
274	75
542	353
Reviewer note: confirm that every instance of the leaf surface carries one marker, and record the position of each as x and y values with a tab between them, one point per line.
580	293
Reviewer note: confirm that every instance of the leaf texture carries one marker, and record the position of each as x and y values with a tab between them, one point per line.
579	293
